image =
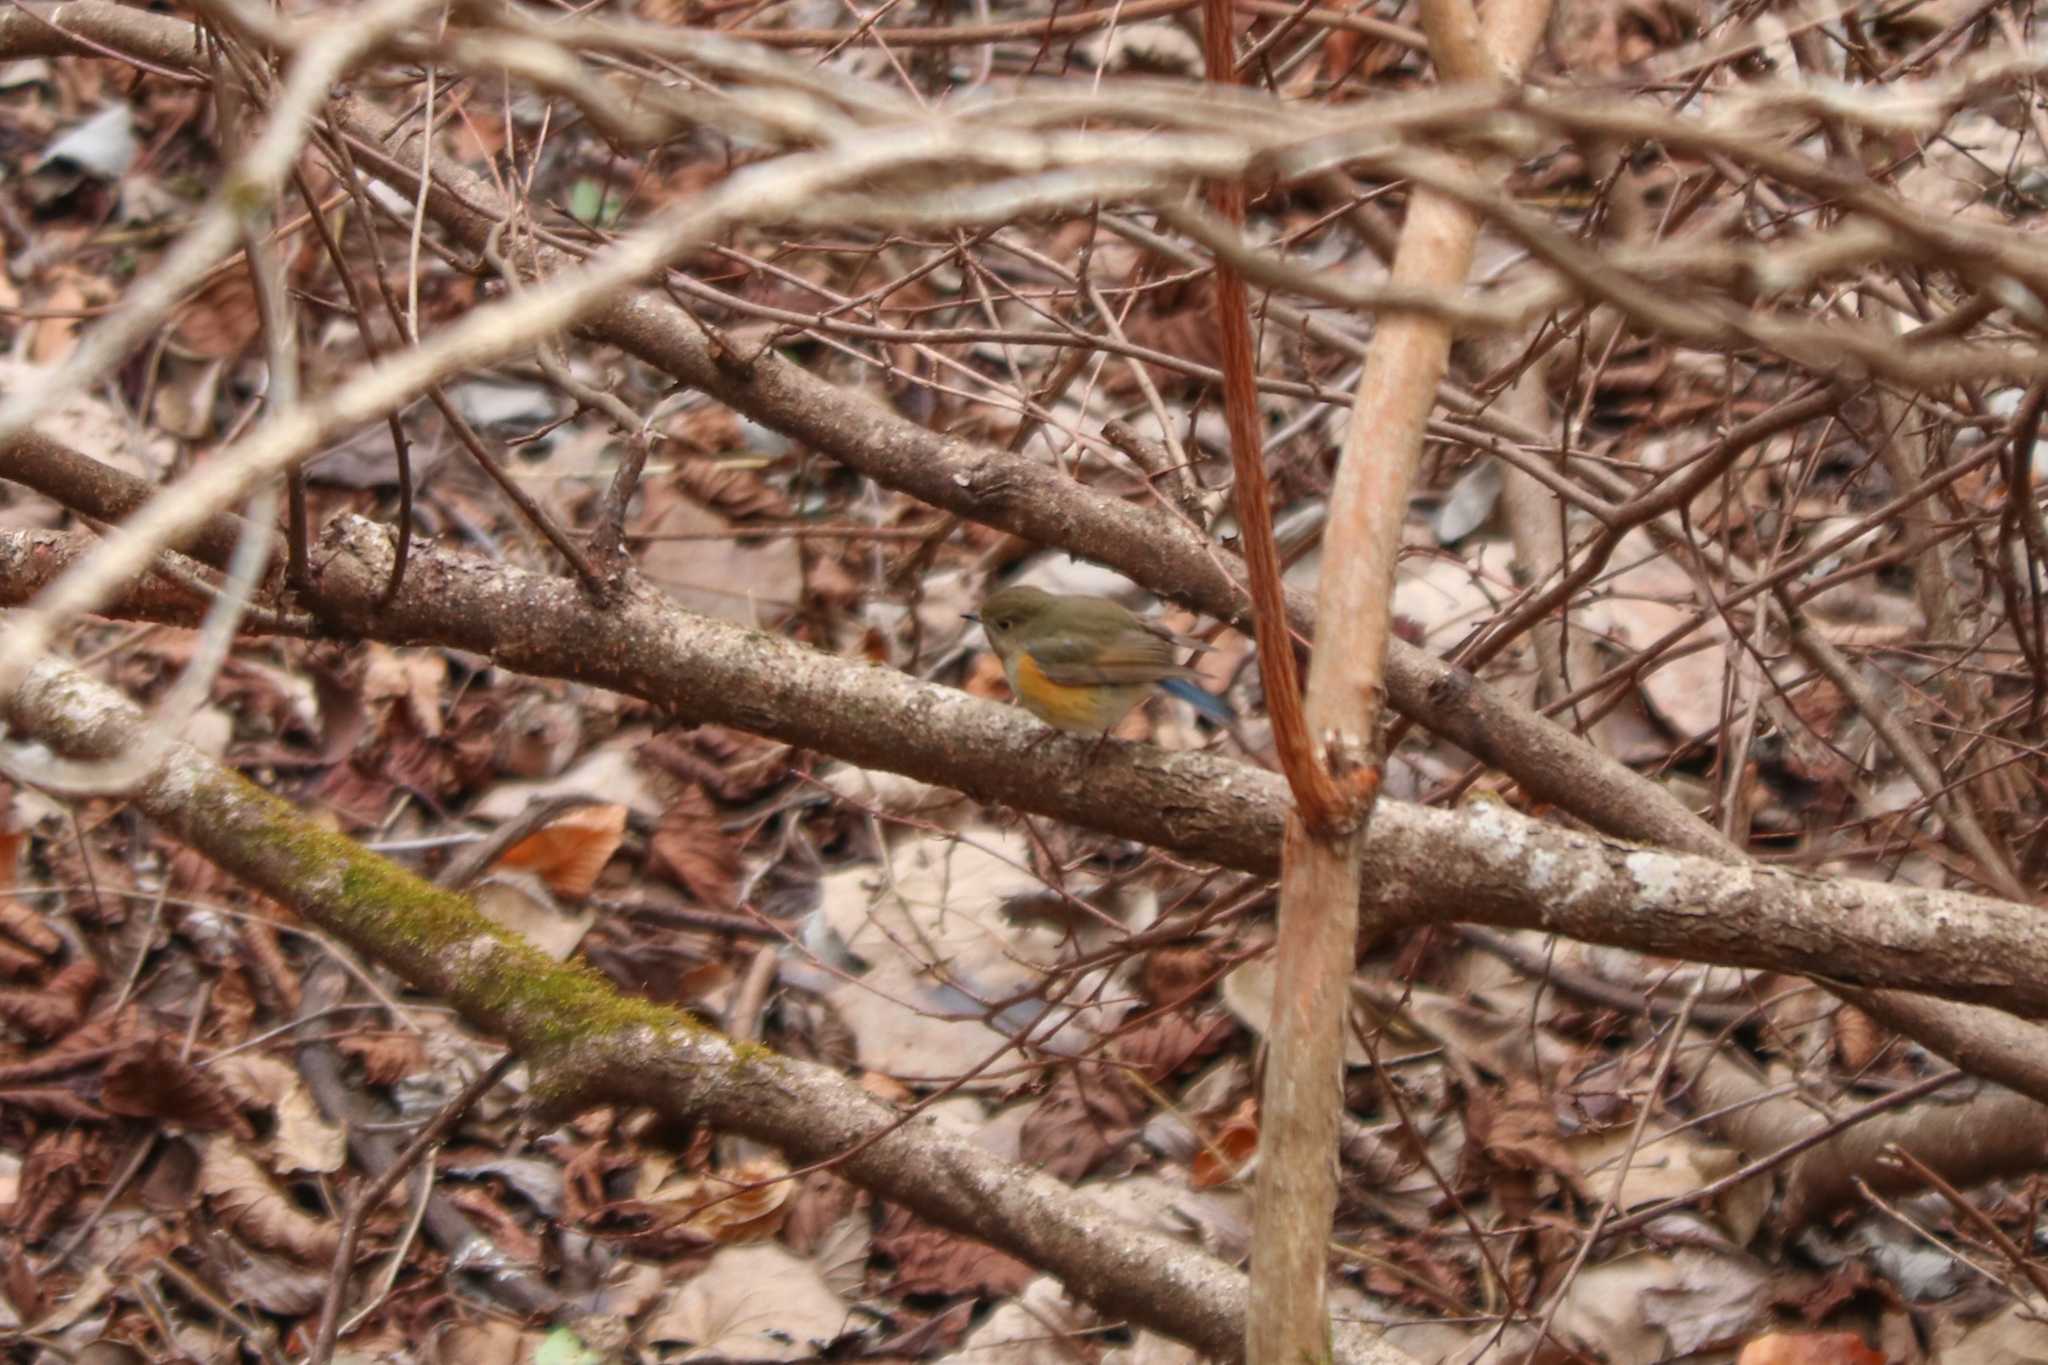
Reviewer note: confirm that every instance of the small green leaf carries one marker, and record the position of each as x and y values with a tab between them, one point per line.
589	202
564	1347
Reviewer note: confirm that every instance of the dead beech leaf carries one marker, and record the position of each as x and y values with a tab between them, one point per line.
243	1196
1229	1151
1080	1122
820	1202
484	1341
387	1058
413	677
1858	1038
148	1080
694	852
570	853
667	13
234	1002
18	962
1519	1132
52	1101
700	981
728	764
746	1204
58	1166
985	679
1809	1348
1173	975
1164	1044
266	956
54	1007
222	320
304	1139
930	1260
27	926
751	1303
729	488
537	738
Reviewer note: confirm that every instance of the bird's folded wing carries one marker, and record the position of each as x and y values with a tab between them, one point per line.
1077	664
1175	638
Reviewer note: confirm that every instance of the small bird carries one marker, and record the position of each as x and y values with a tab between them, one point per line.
1082	663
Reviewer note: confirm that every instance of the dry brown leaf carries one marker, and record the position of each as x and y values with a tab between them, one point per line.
18	961
694	852
26	1290
930	1260
53	1101
820	1201
1516	1129
262	1215
484	1341
222	320
746	1204
388	1057
750	1303
537	738
1858	1039
266	957
303	1139
985	679
414	677
729	488
27	926
1809	1348
233	1005
57	1006
1173	975
149	1080
1229	1150
58	1166
1164	1044
520	902
570	853
1086	1116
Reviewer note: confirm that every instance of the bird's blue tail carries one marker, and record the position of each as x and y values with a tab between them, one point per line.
1203	700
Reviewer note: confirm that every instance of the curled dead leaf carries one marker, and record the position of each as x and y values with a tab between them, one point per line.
258	1212
1230	1150
57	1006
25	925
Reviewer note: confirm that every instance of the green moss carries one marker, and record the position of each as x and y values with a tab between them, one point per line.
415	913
746	1054
558	1004
543	1005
